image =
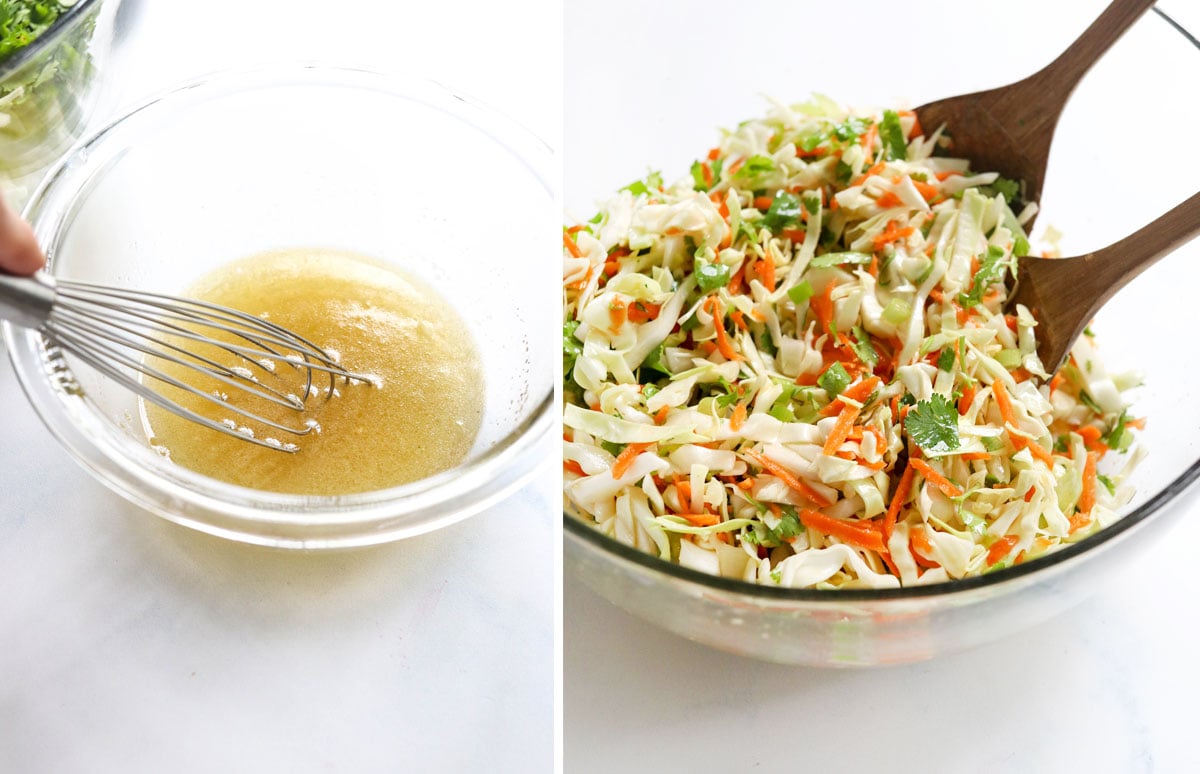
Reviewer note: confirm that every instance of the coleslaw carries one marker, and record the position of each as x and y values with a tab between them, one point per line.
794	366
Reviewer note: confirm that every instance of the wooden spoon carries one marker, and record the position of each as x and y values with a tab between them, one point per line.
1009	129
1064	294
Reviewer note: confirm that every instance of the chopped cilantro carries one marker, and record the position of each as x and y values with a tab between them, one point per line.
843	172
710	276
789	525
1006	188
1108	483
933	424
766	344
754	167
946	359
698	181
572	347
783	212
835	379
863	347
800	293
614	449
654	361
892	136
1117	438
991	270
851	128
837	259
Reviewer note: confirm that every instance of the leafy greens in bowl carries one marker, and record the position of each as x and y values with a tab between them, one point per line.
49	52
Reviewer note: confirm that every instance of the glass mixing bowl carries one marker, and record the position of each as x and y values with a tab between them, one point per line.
1096	192
47	90
395	168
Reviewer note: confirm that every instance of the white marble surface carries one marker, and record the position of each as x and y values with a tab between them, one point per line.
1105	688
128	644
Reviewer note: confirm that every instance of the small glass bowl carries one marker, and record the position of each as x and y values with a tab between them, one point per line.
1094	200
47	91
391	167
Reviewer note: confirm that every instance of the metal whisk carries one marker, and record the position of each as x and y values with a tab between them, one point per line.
121	333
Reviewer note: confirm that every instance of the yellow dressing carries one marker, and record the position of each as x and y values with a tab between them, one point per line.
420	415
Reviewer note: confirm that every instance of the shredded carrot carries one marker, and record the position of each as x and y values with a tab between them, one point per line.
738	319
862	536
859	392
791	481
970	456
1091	439
1000	548
616	313
948	487
763	202
891	233
903	488
923	549
745	484
626	458
1139	423
1087	497
928	192
722	205
640	312
765	269
1004	403
822	307
841	429
701	519
713	305
1029	493
572	248
888	199
964	402
739	417
684	488
571	466
661	416
1038	452
916	130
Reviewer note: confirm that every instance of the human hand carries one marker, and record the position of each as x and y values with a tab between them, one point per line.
19	251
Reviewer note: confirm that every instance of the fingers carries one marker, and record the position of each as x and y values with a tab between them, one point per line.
19	251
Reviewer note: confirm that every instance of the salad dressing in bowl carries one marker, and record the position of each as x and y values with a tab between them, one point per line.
418	416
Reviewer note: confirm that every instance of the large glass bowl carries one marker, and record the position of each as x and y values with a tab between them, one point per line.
47	90
396	168
1098	189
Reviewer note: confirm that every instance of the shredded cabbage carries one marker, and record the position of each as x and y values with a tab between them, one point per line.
795	366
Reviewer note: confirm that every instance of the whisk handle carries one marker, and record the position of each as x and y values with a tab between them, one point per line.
27	301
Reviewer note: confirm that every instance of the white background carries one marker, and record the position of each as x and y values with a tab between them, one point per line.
1105	688
128	644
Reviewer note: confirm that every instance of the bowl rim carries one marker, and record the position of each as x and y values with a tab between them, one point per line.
66	21
578	528
136	474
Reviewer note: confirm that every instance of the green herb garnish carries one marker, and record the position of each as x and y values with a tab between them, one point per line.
933	424
895	147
